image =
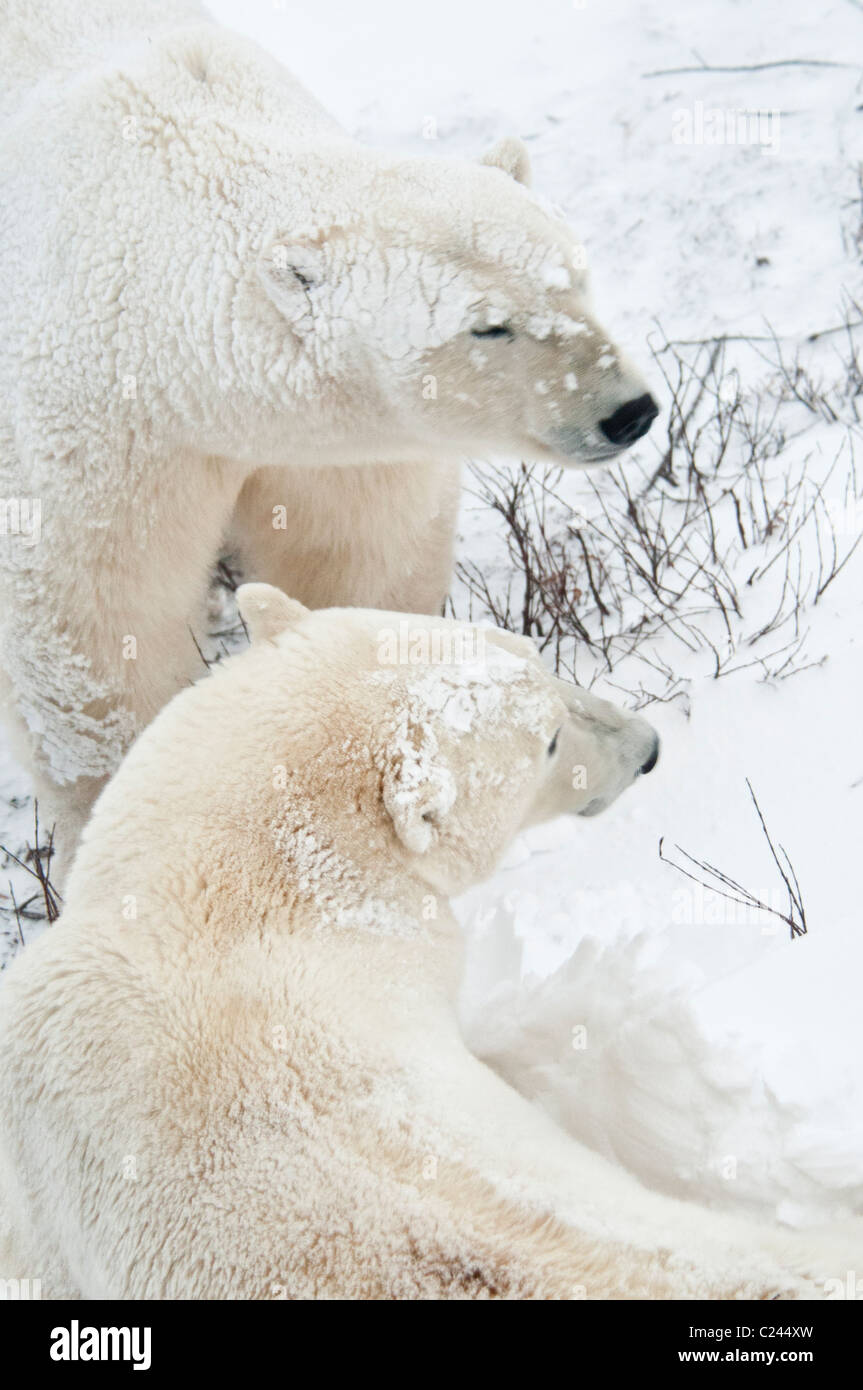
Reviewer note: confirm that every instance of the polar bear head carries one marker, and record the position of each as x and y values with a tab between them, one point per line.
433	740
451	306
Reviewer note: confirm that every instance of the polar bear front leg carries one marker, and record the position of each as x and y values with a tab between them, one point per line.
100	620
369	536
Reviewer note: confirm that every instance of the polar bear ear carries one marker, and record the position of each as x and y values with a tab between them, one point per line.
266	611
289	272
511	155
418	797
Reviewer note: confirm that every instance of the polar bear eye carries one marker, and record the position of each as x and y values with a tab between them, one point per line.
494	330
552	747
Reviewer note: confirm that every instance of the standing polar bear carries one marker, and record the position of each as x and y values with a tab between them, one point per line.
233	1069
215	306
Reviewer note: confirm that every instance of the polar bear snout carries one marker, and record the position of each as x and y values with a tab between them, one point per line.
630	421
598	752
630	753
637	746
617	748
652	758
612	416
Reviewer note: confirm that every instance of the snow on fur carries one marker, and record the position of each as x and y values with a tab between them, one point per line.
204	277
740	1045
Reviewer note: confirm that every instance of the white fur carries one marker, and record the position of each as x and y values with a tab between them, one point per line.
215	304
233	1069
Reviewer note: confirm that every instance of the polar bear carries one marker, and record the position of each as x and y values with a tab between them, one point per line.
226	322
233	1069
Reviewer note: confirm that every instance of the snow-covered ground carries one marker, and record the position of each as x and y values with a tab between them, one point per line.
692	1040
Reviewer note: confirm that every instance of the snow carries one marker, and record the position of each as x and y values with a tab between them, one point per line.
693	1042
491	684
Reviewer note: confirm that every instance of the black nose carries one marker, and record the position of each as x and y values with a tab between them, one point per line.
652	760
630	421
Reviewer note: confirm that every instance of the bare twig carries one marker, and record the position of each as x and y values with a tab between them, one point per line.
750	67
716	881
37	863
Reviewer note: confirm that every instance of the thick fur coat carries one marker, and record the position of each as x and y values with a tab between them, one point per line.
226	323
233	1069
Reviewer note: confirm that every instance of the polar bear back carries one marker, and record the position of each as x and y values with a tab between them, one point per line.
48	49
36	40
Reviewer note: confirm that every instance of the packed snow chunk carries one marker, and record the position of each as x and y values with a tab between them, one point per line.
740	1087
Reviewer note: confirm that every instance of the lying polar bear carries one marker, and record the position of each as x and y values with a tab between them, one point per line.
215	306
233	1069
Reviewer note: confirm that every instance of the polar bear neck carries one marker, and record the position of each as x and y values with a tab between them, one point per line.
220	861
348	882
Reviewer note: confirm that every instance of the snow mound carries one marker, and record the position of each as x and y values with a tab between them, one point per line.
739	1087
